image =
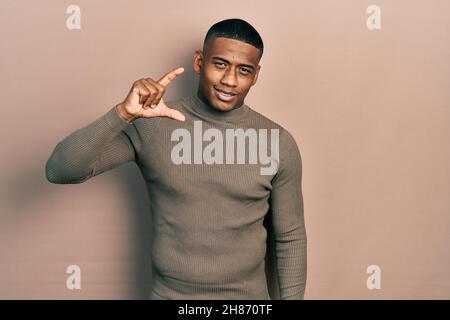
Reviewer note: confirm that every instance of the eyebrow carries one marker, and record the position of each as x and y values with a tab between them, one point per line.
225	60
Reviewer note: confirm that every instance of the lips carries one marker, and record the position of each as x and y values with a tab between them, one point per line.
223	95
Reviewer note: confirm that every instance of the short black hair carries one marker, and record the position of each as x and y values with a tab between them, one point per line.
237	29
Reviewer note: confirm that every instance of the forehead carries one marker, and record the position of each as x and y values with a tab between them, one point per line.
235	51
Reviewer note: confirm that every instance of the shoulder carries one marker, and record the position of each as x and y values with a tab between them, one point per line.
287	140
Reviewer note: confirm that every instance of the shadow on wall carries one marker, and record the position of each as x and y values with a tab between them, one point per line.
135	190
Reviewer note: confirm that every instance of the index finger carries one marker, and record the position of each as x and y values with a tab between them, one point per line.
168	77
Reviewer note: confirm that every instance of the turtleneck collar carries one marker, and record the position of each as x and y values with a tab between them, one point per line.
208	111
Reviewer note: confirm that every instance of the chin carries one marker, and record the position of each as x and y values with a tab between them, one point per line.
223	106
220	105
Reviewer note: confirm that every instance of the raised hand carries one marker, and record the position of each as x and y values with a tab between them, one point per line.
145	99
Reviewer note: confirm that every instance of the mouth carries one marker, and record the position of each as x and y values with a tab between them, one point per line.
225	96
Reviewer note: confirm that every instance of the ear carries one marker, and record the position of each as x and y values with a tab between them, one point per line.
198	61
256	75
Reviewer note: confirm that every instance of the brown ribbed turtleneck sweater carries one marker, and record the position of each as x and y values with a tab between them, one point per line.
209	241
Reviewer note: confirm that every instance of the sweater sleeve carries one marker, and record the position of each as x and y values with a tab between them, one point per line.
100	146
289	230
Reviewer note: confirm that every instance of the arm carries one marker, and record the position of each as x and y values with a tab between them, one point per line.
286	203
87	152
110	140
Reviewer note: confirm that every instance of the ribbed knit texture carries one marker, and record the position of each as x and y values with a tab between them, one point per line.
209	241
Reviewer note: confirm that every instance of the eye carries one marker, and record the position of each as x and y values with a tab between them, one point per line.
245	71
220	65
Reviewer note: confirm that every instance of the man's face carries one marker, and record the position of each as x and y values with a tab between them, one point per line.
227	69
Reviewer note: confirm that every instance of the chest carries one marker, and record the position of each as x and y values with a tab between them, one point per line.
186	160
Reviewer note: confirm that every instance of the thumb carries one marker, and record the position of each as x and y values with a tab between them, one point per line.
174	114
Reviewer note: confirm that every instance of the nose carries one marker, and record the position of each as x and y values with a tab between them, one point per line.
229	78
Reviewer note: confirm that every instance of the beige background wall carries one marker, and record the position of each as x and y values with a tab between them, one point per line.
369	110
